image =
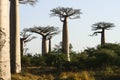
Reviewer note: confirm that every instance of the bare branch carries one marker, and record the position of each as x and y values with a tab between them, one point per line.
65	12
44	31
102	25
31	2
95	33
26	37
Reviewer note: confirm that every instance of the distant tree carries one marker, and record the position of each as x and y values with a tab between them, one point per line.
64	14
25	37
49	39
45	32
100	28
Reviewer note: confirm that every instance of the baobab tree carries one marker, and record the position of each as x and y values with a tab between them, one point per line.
4	41
44	32
15	37
64	14
25	37
14	34
100	28
49	37
49	47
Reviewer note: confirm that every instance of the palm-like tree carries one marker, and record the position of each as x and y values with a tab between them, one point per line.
25	37
64	14
44	32
100	28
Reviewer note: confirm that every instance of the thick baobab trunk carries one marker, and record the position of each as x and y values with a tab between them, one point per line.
15	37
4	41
103	37
65	41
50	44
44	45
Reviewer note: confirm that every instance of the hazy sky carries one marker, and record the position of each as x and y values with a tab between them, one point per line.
79	29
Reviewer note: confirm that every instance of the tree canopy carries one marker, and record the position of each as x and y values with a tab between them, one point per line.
65	12
44	31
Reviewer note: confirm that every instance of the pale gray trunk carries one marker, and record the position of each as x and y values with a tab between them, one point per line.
44	45
65	41
4	41
50	45
15	37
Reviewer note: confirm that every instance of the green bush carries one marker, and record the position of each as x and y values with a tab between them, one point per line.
105	57
111	46
38	60
26	61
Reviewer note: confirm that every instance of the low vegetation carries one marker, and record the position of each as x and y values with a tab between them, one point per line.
100	63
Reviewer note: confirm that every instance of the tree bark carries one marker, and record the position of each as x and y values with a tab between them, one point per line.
50	45
15	37
4	41
103	37
44	45
65	41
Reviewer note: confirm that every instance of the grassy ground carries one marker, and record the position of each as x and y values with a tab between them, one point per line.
50	73
38	74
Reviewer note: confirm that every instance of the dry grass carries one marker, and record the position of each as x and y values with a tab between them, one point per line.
28	76
84	75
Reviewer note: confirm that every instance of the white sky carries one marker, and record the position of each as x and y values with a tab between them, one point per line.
79	29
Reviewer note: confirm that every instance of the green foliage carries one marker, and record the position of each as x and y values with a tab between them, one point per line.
55	59
104	61
37	60
91	58
111	46
105	57
26	61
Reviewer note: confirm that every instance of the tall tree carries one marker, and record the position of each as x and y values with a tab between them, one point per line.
44	32
49	37
49	47
64	14
15	37
14	34
100	28
25	37
4	41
